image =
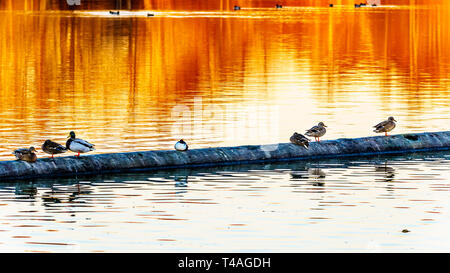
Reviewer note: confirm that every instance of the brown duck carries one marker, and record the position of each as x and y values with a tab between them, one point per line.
26	154
53	148
317	131
385	126
300	140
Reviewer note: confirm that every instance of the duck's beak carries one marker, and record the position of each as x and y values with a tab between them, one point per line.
395	120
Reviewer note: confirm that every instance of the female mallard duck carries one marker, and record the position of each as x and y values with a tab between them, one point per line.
181	146
385	126
78	145
26	154
53	148
317	131
300	139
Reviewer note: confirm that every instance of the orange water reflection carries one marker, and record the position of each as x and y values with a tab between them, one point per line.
189	4
139	83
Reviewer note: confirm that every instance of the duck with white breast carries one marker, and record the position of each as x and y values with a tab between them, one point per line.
78	145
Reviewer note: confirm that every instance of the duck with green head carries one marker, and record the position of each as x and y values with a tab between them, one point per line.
78	145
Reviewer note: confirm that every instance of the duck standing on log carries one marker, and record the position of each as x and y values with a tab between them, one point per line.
26	154
317	131
78	145
300	140
385	126
181	146
53	148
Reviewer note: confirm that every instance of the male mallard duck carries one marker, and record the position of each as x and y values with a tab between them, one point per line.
181	146
278	6
385	126
26	154
300	139
53	148
78	145
317	131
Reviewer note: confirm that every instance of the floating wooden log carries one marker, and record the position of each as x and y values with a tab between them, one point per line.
210	157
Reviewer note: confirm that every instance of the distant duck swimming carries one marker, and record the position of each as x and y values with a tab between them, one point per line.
26	154
181	146
278	6
78	145
237	8
53	148
317	131
300	140
114	12
385	126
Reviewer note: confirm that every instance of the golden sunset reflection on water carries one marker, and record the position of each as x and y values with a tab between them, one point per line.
220	79
200	71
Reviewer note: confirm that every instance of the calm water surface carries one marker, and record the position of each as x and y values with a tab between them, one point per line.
320	206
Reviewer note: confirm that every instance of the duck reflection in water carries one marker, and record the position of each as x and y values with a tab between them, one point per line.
69	194
26	191
315	175
388	172
181	181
